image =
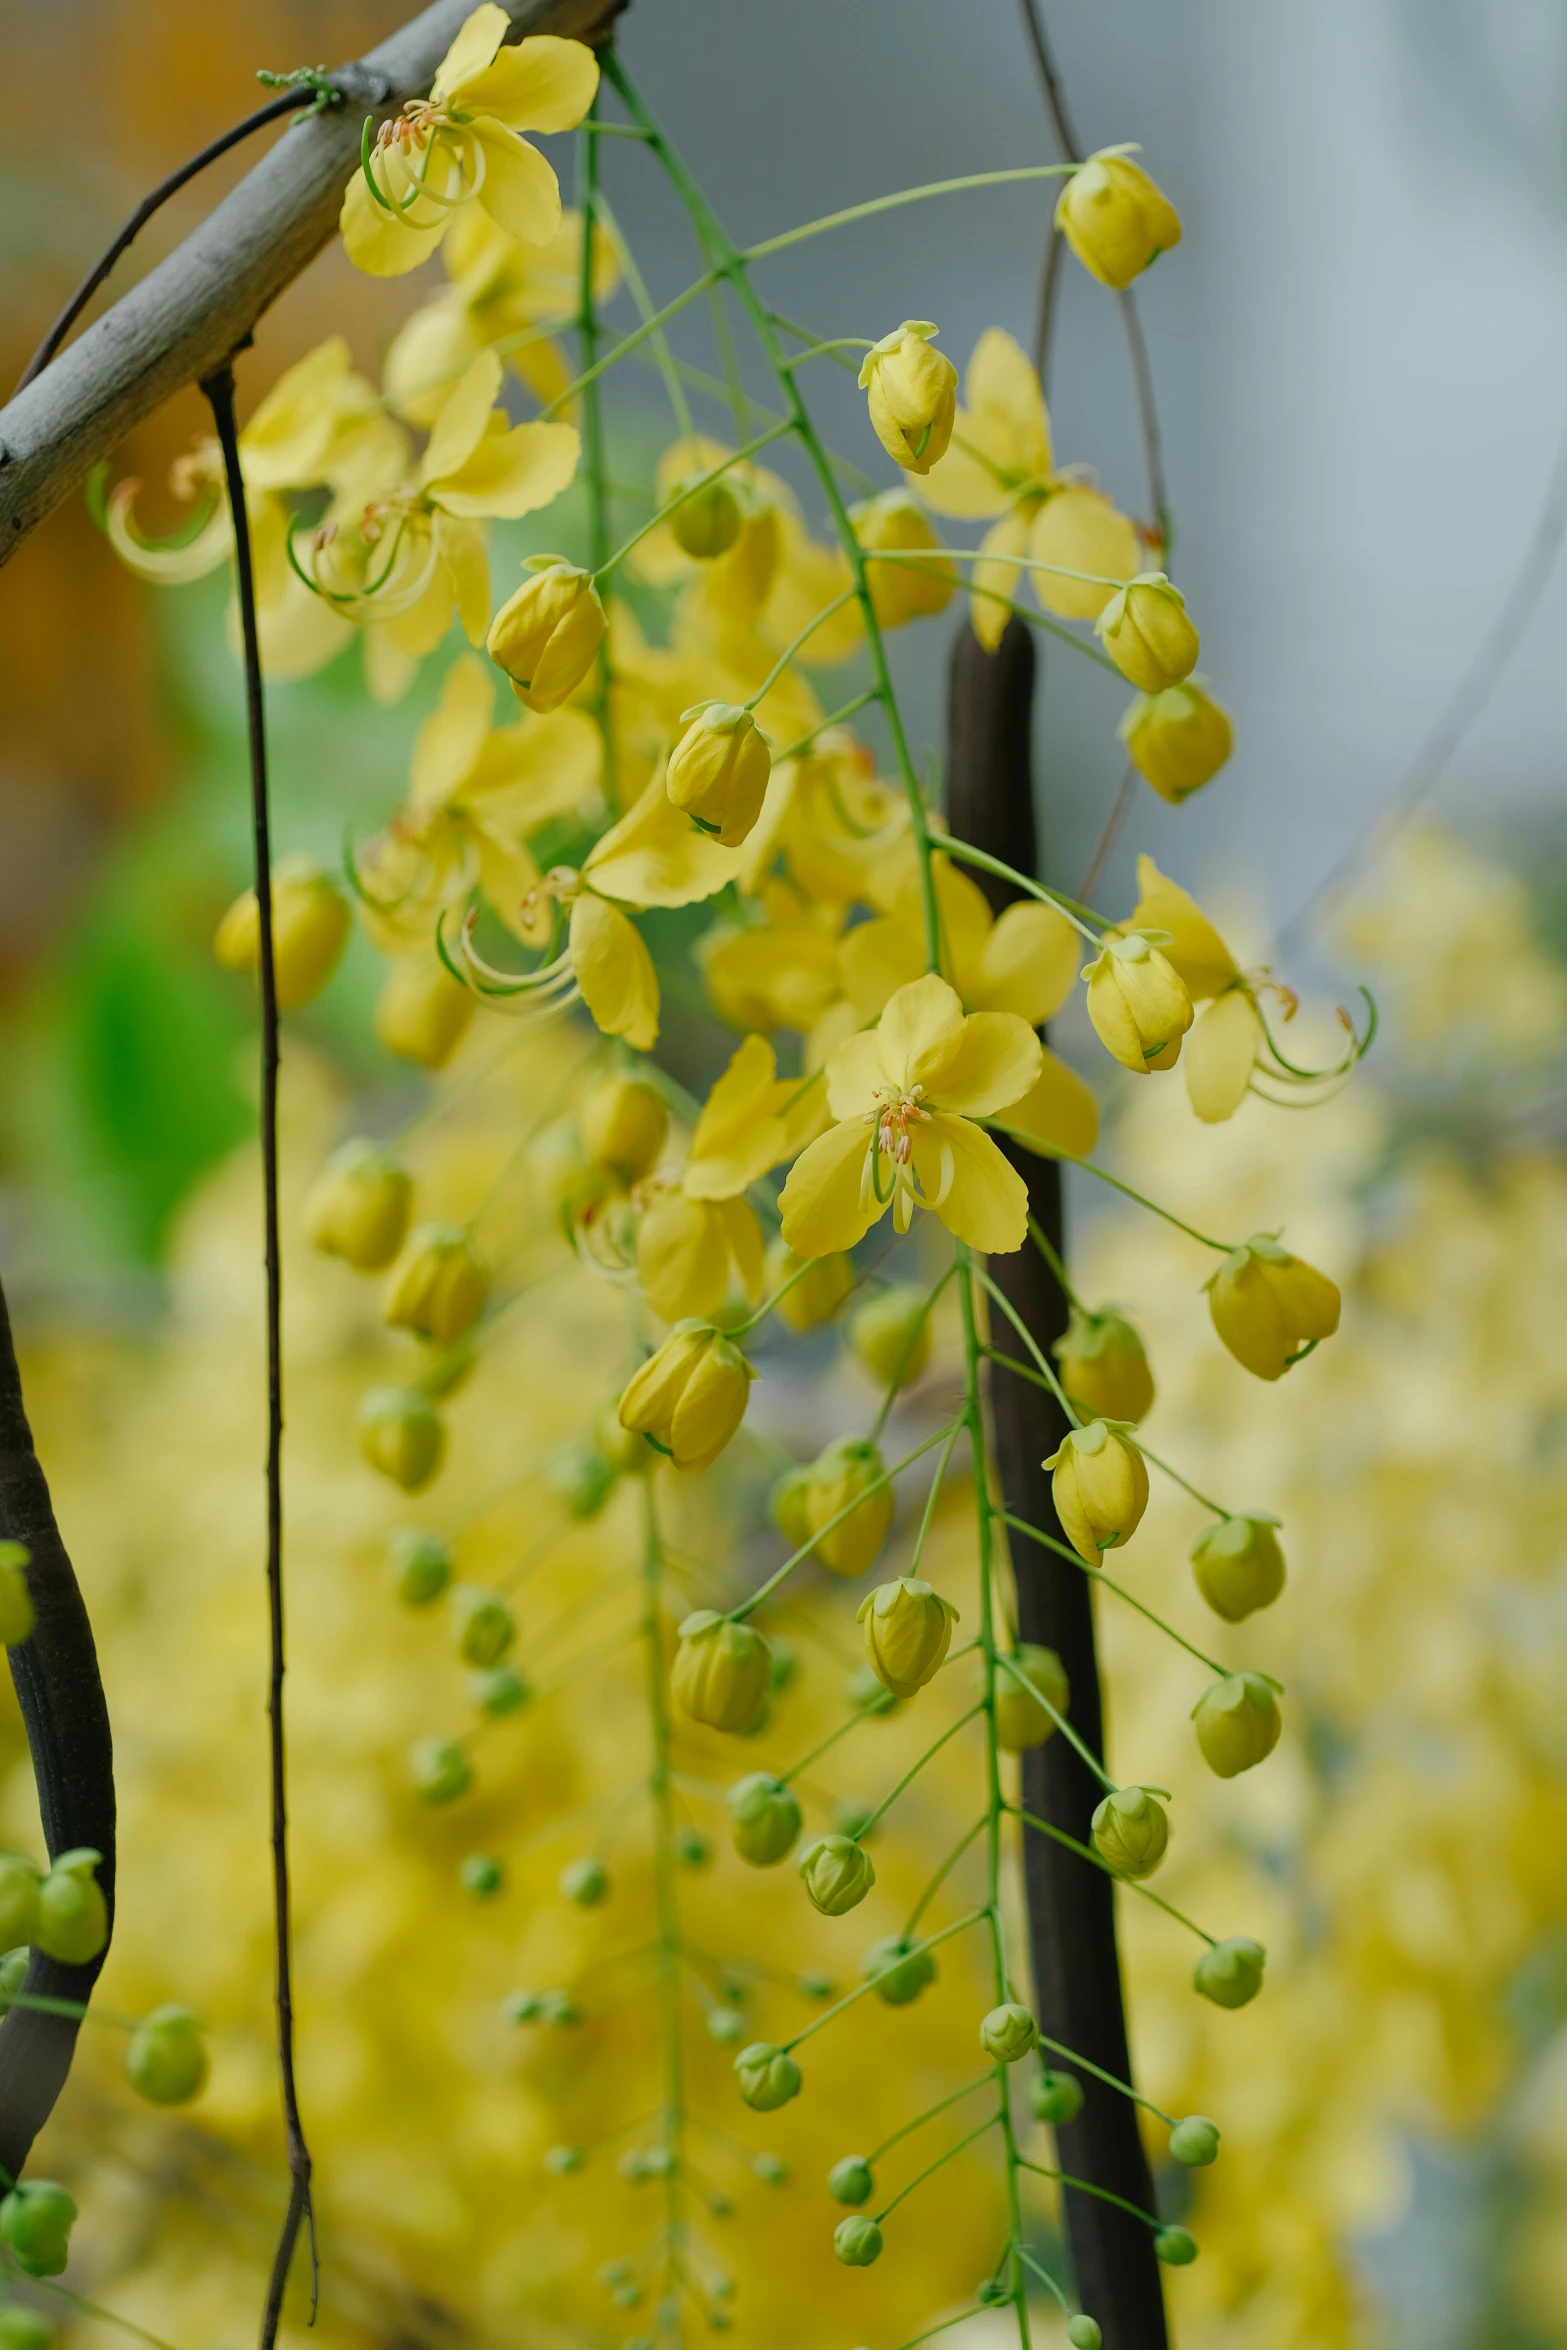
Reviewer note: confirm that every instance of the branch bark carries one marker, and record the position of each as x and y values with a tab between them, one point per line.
1071	1913
187	316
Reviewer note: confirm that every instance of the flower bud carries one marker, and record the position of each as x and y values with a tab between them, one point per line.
1131	1831
838	1874
823	1285
912	394
1008	2033
400	1434
1083	2332
1238	1723
1195	2141
438	1287
1176	2247
439	1769
586	1882
1230	1974
893	524
13	1974
1116	219
310	921
1100	1487
19	1882
16	1601
900	1970
418	1564
422	1013
690	1396
707	521
1104	1368
720	1672
891	1334
546	634
786	1505
628	1453
35	2220
485	1625
24	2328
767	2077
765	1819
908	1630
1145	631
718	770
583	1479
1056	2098
166	2061
1239	1566
1269	1307
73	1917
1178	739
692	1849
1138	1002
624	1124
724	2026
358	1206
849	1468
857	2240
851	2180
1024	1697
867	1693
482	1875
498	1691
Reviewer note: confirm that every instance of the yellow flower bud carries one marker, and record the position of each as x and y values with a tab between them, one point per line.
16	1602
690	1396
1269	1308
1022	1720
1103	1367
19	1882
166	2061
908	1630
721	1671
1178	739
73	1917
893	524
422	1013
358	1206
1116	219
1008	2032
1138	1002
1131	1831
912	394
310	922
823	1285
400	1434
1238	1723
707	524
786	1506
623	1123
1146	633
1239	1565
1230	1974
846	1468
1100	1488
718	770
437	1287
891	1334
838	1873
767	2077
545	634
764	1819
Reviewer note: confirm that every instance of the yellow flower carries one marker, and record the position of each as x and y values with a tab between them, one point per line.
781	973
689	1396
358	1206
462	145
1223	1048
422	1013
1104	1368
1100	1488
438	1287
908	1630
905	1096
1115	218
718	770
899	592
1178	739
310	924
1137	1002
911	392
1023	960
1269	1308
1145	631
546	634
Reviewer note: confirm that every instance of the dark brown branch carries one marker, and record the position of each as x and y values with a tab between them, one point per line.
1071	1914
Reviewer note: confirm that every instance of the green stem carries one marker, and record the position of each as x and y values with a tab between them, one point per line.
803	742
914	1770
918	1551
1041	1241
1224	1247
932	2167
1086	2187
931	1942
942	1874
820	350
666	1895
627	344
1086	1852
818	1751
1064	1550
663	357
981	2081
737	1615
1080	917
1184	1483
900	1368
816	228
593	443
691	490
804	637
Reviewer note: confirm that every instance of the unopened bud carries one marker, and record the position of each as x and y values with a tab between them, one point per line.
851	2180
849	1468
17	1617
1238	1723
19	1882
720	1672
1138	1002
438	1287
358	1206
1104	1368
1195	2141
893	524
166	2061
786	1505
718	770
24	2328
822	1286
583	1479
689	1396
857	2240
1239	1565
561	2161
1176	2247
1230	1974
1145	631
484	1624
497	1691
310	922
400	1434
586	1882
765	1819
624	1123
35	2220
1178	739
891	1335
908	1630
1056	2098
1031	1689
911	391
838	1873
1083	2333
707	521
1269	1308
546	634
1131	1830
1100	1487
422	1013
1008	2033
482	1875
767	2078
73	1917
899	1968
1116	219
439	1769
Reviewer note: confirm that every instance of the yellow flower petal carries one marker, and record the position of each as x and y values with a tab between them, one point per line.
746	1245
1220	1054
996	574
855	1076
1196	952
376	240
462	576
614	971
513	473
919	1029
993	1061
474	44
464	418
287	438
520	191
543	84
538	768
508	874
876	959
1058	1112
738	1135
821	1204
683	1256
426	355
452	737
655	856
971	1186
1028	964
1000	437
1080	529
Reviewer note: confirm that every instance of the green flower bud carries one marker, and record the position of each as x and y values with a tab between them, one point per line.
1083	2333
1103	1367
786	1506
899	1968
1239	1565
419	1565
867	1693
166	2061
22	2328
560	2161
627	2295
838	1874
438	1287
814	1986
1022	1719
485	1625
35	2220
765	1819
719	2205
1056	2098
439	1769
891	1335
482	1875
18	1900
586	1882
358	1206
1237	1722
720	1672
850	1467
558	2007
1131	1831
583	1479
766	2076
523	2007
1008	2032
1195	2141
771	2169
1175	2247
908	1630
692	1849
857	2240
1230	1974
400	1434
498	1691
16	1602
707	522
725	2026
13	1974
73	1917
852	1817
850	2181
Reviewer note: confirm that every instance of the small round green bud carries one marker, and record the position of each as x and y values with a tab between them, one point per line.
1238	1723
1026	1694
13	1974
559	2161
632	2166
866	1692
19	1883
850	2181
724	2026
1176	2247
1008	2032
767	2077
899	1968
692	1849
522	2007
439	1769
16	1604
483	1623
22	2328
658	2162
707	521
166	2061
814	1986
852	1817
838	1874
558	2007
1195	2141
586	1882
1230	1973
626	2294
400	1434
1239	1565
73	1917
765	1819
418	1564
722	2288
35	2220
891	1334
850	1468
857	2240
782	1666
719	2321
1131	1830
719	2204
786	1505
771	2169
583	1479
1056	2098
482	1875
1083	2333
498	1690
